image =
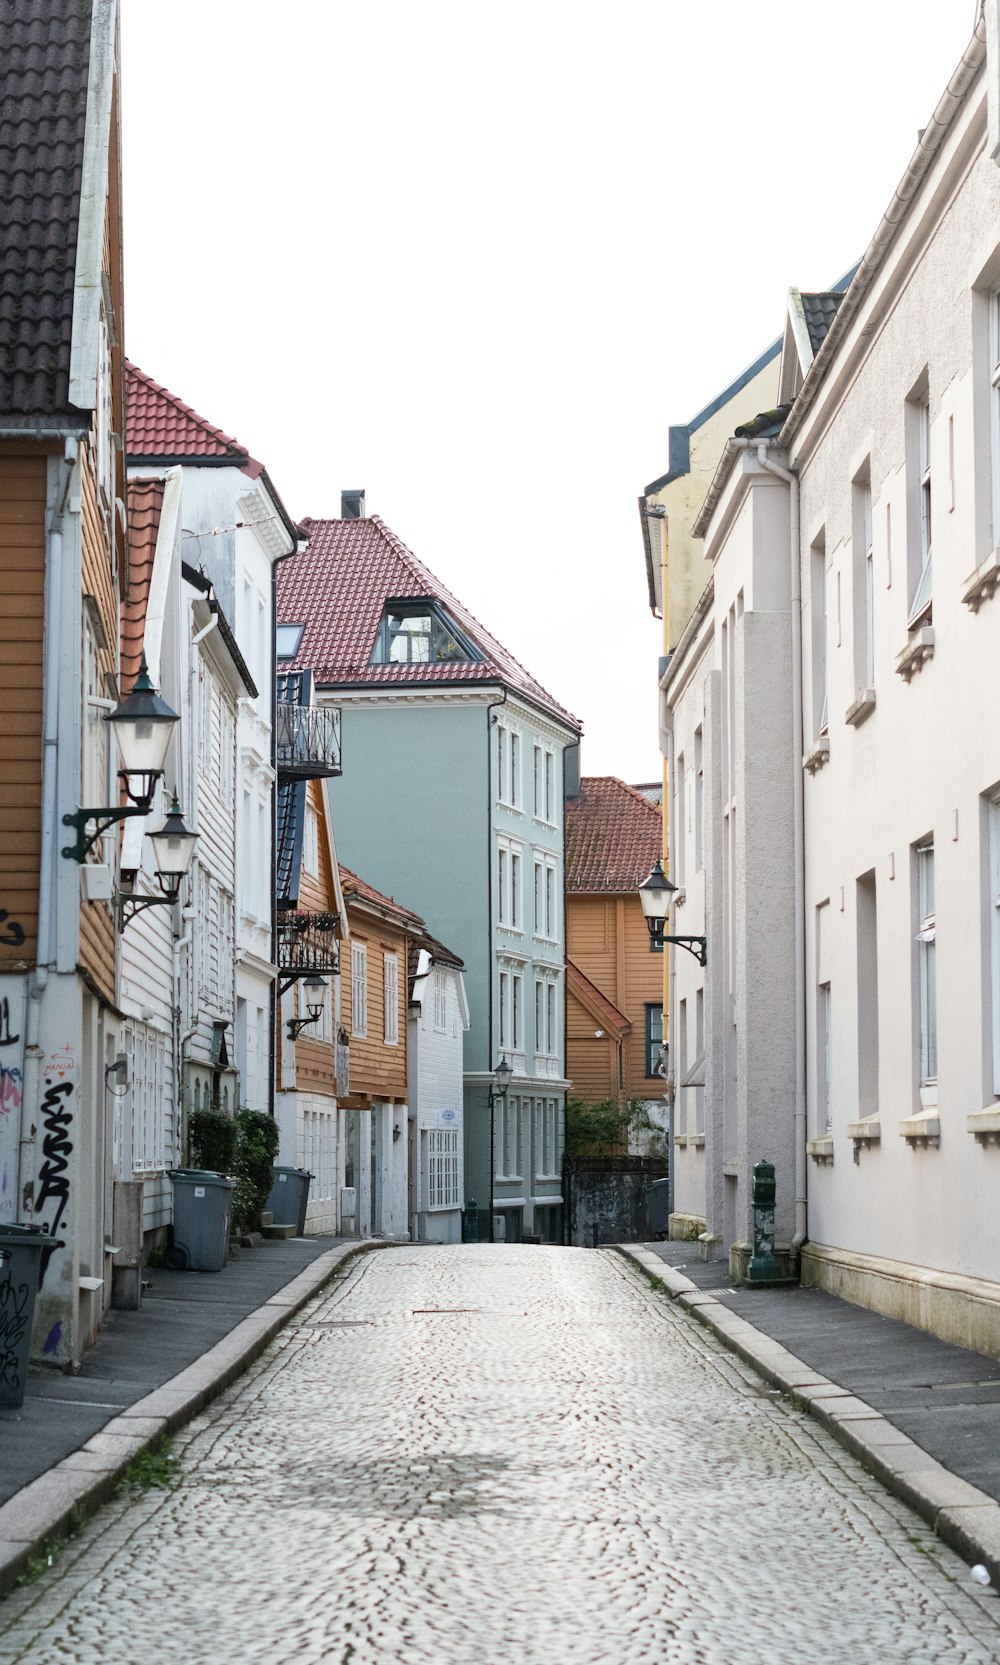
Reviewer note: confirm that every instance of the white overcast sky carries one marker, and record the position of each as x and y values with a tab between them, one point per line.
476	258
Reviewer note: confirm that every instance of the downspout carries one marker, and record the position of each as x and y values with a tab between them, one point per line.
45	954
181	1038
798	850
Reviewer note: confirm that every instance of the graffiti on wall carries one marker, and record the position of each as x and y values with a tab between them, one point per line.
11	1088
14	1305
11	1062
11	933
52	1181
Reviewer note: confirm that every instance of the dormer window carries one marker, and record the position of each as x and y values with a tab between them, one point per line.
419	633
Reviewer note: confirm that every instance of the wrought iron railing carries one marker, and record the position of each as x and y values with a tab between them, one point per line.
307	942
308	741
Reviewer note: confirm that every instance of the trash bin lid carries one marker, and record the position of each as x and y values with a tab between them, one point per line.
200	1176
301	1173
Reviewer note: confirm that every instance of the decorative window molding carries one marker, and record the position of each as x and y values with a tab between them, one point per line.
981	584
821	1149
818	754
985	1125
923	1131
917	651
868	1131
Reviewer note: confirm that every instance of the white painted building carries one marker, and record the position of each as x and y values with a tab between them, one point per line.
835	746
437	1021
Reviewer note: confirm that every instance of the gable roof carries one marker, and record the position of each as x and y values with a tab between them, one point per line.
598	1004
613	837
44	69
338	588
356	890
145	504
159	428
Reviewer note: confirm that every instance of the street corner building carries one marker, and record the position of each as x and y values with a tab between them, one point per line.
452	797
833	759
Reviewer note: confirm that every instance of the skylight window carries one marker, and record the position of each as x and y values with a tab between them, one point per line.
419	633
286	640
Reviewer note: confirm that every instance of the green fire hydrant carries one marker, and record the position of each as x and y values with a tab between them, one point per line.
763	1267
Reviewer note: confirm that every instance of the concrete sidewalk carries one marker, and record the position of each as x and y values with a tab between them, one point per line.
922	1415
63	1451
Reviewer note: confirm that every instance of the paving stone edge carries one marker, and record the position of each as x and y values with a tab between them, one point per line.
73	1489
965	1518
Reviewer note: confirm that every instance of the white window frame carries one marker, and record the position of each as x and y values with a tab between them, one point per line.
551	906
517	1011
440	995
516	890
550	786
869	537
993	826
927	969
551	1040
503	1012
514	798
310	843
95	770
503	884
540	1016
390	983
503	763
995	407
538	780
359	990
824	1057
699	800
147	1057
921	604
442	1169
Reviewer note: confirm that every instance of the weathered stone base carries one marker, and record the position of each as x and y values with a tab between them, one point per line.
685	1228
964	1311
741	1254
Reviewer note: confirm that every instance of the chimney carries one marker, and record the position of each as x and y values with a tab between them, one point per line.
352	505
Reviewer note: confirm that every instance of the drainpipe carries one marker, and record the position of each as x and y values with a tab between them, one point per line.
798	857
45	954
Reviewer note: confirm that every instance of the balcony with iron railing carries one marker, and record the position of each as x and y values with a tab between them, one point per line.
307	943
308	741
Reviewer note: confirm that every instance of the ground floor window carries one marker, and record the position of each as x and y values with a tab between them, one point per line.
654	1039
442	1168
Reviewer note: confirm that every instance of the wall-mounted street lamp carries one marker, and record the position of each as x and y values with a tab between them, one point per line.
497	1093
173	848
314	989
142	724
656	894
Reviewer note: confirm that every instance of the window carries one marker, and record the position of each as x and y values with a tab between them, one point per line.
419	633
503	1013
550	900
926	934
286	640
547	1156
550	790
206	700
96	772
824	1059
517	1011
359	989
539	1015
501	763
391	981
146	1053
817	598
538	802
440	1002
868	1025
227	751
993	903
680	819
310	843
995	408
324	1029
863	582
503	909
515	891
699	1052
442	1168
539	920
699	801
654	1040
515	771
551	1044
919	511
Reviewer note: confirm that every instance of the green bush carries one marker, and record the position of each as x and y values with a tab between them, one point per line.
256	1149
602	1129
212	1141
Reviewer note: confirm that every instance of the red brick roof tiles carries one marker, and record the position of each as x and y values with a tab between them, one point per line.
159	426
356	889
145	503
44	67
613	837
338	588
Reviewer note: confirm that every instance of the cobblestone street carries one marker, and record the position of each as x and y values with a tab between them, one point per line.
508	1456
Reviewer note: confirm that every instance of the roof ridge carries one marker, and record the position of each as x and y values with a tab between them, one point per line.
377	895
231	443
639	797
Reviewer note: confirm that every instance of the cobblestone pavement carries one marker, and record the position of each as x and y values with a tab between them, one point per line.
507	1456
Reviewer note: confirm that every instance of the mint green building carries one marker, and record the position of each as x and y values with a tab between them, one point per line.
452	801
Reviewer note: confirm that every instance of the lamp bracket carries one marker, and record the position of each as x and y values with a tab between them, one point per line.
129	906
694	945
104	819
296	1026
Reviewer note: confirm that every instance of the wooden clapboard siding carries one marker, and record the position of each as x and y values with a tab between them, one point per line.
315	1060
98	937
608	939
22	580
592	1063
378	1071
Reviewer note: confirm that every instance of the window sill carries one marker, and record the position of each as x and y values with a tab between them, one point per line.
862	707
922	1131
917	651
821	1149
731	1169
818	755
698	1141
680	1140
980	585
984	1125
868	1131
679	897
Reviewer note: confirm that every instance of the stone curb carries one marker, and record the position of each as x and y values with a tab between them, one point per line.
77	1486
965	1518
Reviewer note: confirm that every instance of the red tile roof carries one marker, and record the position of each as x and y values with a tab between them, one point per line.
613	837
355	889
589	995
145	502
44	69
339	587
160	427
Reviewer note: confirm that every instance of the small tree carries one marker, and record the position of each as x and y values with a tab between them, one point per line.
603	1128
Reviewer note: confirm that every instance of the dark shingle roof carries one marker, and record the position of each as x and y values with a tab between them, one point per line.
338	589
44	65
613	837
288	857
820	308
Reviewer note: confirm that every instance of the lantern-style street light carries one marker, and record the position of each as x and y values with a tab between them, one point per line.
173	848
314	988
142	724
497	1093
656	895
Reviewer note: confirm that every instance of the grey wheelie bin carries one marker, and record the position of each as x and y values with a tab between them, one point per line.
658	1206
202	1206
288	1197
21	1250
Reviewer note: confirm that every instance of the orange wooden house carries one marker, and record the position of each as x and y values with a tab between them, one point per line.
64	571
614	981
